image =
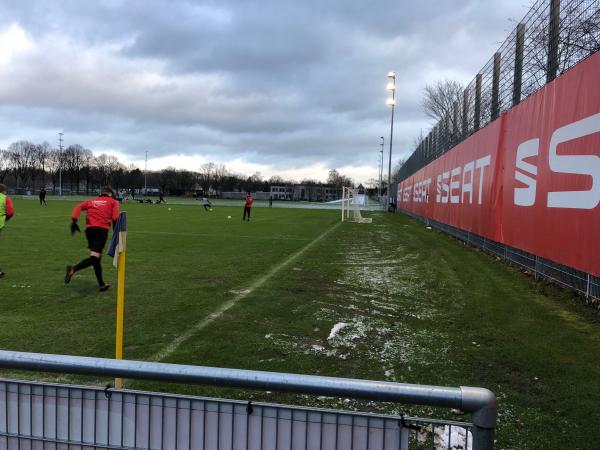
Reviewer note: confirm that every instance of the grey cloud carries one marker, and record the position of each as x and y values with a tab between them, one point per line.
278	82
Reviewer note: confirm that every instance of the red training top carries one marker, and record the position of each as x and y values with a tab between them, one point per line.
249	201
100	212
10	209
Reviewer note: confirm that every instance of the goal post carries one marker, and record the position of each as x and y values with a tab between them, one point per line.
351	203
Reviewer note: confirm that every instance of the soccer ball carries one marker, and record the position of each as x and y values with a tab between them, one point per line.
169	209
229	217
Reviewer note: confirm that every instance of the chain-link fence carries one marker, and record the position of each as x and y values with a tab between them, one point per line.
585	284
552	37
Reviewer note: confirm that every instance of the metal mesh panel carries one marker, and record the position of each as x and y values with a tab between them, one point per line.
584	283
577	37
36	416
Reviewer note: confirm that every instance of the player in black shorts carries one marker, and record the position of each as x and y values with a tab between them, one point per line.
102	212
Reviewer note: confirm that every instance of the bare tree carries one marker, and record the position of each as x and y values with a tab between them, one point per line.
42	154
397	167
102	168
419	138
338	180
579	37
4	164
87	162
440	97
220	174
206	175
22	158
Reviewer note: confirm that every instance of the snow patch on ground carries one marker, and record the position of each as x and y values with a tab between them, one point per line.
240	291
379	310
334	331
446	437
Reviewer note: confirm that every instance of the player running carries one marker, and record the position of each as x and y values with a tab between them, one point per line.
43	197
248	207
206	203
101	212
6	211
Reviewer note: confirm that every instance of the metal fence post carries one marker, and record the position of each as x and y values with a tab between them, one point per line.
587	289
496	87
455	136
465	113
484	419
477	112
518	75
553	38
446	122
440	137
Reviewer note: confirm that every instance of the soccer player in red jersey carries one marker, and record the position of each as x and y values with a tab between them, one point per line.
101	213
248	207
6	211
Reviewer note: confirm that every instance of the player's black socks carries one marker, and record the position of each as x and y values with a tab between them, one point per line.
91	261
84	263
98	271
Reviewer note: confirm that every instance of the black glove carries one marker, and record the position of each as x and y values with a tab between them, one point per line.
74	227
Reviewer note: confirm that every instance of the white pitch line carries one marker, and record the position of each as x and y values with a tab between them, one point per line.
175	233
170	348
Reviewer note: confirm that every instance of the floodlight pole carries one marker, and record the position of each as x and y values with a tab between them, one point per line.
391	87
381	167
60	161
146	175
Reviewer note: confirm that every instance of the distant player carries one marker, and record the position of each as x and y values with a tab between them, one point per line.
43	196
206	204
248	206
101	213
6	211
270	201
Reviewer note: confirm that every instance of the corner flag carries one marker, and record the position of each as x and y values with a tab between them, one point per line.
117	251
118	242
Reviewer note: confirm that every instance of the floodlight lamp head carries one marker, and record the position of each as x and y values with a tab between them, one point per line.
390	87
391	74
391	102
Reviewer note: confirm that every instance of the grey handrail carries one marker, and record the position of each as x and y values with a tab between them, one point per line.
479	402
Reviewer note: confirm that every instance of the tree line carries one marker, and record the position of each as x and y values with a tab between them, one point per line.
25	166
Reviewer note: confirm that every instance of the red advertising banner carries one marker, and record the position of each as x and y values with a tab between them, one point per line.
530	179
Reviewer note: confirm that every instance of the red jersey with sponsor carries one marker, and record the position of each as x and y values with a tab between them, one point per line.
101	212
249	201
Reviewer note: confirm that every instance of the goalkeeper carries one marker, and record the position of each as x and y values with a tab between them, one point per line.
101	212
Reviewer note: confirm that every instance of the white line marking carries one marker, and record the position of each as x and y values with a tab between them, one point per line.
170	348
175	233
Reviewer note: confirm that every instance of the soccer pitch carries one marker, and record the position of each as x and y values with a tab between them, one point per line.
295	290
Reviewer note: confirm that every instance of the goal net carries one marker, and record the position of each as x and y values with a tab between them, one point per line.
351	203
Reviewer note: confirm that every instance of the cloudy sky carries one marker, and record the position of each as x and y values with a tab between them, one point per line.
276	86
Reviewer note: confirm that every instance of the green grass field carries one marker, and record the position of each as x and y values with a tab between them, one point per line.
411	304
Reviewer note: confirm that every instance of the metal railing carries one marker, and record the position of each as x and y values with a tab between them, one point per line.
479	402
584	283
552	37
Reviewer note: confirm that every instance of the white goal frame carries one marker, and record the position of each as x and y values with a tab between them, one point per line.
351	206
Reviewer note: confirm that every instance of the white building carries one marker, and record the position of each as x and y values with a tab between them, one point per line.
281	192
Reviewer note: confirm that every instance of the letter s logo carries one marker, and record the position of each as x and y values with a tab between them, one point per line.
526	196
577	164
